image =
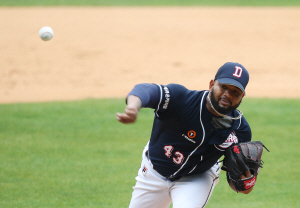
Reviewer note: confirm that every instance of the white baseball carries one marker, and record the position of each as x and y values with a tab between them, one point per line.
46	33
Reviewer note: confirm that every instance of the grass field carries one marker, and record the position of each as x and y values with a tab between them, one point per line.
150	3
75	154
68	154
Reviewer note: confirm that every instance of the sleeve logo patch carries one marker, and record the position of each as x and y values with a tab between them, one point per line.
167	98
231	139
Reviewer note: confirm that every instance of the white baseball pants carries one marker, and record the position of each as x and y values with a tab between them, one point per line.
152	190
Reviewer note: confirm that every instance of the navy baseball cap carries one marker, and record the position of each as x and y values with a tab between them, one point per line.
233	74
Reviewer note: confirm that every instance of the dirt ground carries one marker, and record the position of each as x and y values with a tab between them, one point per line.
101	52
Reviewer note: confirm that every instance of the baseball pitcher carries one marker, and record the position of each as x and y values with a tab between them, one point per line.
191	131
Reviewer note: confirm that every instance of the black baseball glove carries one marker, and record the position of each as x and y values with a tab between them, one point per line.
240	158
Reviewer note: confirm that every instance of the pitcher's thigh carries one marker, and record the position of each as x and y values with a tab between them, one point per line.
193	191
143	198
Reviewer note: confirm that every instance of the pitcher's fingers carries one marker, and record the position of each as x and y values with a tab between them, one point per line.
242	176
121	118
124	118
248	174
131	111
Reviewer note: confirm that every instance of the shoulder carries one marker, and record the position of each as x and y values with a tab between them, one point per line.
175	88
174	92
181	90
183	96
243	131
175	99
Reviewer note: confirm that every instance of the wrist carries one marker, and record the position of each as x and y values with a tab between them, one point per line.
134	102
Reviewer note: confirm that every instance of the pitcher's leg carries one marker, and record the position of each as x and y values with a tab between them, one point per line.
194	191
144	198
151	189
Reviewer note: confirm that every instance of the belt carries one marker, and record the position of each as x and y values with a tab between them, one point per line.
147	154
175	178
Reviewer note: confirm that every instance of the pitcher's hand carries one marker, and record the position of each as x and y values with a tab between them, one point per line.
131	111
129	116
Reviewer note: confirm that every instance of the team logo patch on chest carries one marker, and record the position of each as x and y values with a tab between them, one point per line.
231	139
190	136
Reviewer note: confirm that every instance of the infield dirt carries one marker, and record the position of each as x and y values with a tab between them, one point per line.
102	52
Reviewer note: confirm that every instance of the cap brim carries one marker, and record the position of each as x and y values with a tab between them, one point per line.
231	82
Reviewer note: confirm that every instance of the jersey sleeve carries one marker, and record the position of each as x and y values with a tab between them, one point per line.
148	93
171	102
243	132
164	99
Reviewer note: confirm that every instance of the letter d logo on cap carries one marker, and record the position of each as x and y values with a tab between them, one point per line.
238	72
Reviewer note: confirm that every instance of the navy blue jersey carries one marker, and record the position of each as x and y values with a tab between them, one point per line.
184	138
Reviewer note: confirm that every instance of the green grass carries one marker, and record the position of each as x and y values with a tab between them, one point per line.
75	154
150	3
68	154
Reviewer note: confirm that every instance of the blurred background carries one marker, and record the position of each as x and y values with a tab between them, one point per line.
102	51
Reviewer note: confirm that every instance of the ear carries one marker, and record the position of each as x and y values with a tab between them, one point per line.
242	97
211	84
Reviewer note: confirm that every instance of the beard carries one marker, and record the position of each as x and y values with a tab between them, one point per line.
220	109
